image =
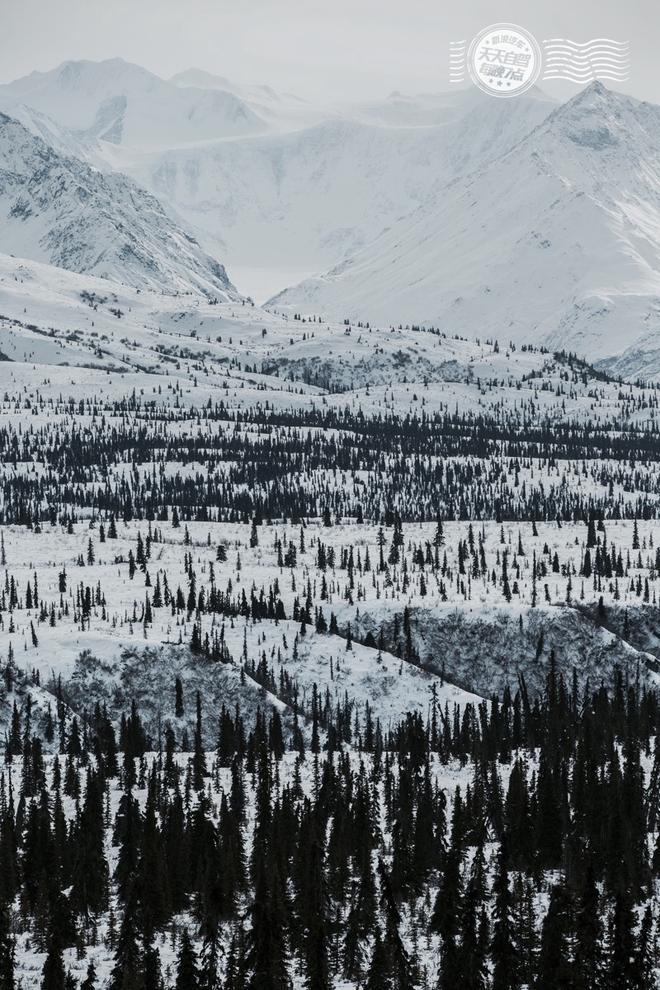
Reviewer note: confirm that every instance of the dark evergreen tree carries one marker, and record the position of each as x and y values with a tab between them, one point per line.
266	950
504	952
187	975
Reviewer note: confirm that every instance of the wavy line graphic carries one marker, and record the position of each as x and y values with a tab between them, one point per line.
587	73
587	59
586	44
598	49
594	53
457	50
598	58
587	70
581	82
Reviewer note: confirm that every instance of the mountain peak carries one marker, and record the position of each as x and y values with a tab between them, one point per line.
595	87
571	210
604	117
122	103
597	96
74	70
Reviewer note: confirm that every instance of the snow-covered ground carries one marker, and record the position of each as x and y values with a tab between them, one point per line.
87	355
359	594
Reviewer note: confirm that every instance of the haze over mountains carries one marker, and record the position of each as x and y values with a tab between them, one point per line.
330	628
514	219
276	187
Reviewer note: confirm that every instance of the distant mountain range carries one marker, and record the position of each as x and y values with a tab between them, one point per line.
516	219
277	187
123	104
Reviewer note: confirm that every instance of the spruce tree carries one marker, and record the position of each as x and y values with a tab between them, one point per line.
554	965
378	977
7	950
504	953
53	976
187	975
589	956
128	970
266	952
89	983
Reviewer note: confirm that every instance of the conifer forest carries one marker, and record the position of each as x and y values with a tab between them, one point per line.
328	689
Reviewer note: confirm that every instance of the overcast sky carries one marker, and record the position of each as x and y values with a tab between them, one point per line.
322	50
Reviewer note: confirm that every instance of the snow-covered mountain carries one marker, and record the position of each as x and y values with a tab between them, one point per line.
557	240
123	104
513	219
278	111
297	190
300	200
56	209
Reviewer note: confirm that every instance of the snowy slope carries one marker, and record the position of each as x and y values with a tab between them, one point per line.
56	209
166	359
56	318
53	317
303	199
557	241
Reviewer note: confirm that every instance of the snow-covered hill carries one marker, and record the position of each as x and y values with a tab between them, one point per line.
558	240
53	317
49	316
56	209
